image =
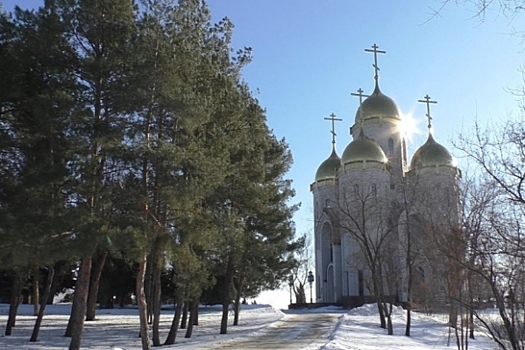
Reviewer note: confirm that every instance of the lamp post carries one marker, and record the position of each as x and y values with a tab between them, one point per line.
290	283
311	281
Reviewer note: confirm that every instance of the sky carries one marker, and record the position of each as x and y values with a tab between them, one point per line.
308	56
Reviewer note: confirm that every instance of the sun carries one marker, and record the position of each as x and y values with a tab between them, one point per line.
407	126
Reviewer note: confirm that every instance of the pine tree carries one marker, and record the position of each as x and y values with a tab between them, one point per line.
99	33
35	108
252	215
147	142
181	135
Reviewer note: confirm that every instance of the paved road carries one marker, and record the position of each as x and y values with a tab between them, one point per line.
292	332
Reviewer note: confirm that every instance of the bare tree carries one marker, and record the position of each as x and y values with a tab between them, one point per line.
512	10
365	219
497	260
494	213
410	233
305	263
431	237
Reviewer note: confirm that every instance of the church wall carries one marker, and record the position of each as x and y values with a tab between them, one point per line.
435	213
373	192
325	234
437	194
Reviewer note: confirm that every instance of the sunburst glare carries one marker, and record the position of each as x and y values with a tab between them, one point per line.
408	126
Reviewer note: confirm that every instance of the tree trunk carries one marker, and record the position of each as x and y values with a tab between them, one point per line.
156	296
409	321
381	312
14	302
379	299
453	315
81	291
238	299
226	298
170	339
409	292
471	323
54	284
194	311
390	329
35	296
471	305
184	320
148	292
43	300
382	318
141	302
72	316
94	286
224	319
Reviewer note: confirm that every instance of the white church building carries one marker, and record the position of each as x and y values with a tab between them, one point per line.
373	205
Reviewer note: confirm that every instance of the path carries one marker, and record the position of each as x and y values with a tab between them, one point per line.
294	331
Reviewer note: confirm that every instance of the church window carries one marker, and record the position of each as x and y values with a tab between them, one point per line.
347	283
373	190
390	145
356	189
328	203
361	284
404	146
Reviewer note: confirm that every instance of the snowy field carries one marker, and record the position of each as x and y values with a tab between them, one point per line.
261	327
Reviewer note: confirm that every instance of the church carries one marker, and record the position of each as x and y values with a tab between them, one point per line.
378	213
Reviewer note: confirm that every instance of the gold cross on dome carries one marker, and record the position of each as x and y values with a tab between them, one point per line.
360	94
427	100
333	119
376	67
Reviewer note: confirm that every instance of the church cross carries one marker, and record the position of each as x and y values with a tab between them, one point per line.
333	119
428	102
360	94
375	51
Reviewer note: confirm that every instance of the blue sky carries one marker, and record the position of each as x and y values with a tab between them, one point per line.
309	56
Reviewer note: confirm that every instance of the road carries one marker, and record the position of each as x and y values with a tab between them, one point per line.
294	331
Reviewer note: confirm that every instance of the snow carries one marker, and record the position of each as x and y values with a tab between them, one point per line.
358	329
261	327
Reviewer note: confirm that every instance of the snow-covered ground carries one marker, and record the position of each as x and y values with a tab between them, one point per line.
261	327
358	329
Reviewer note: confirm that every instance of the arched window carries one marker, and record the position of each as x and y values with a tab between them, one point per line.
404	150
390	145
328	203
373	190
356	189
361	282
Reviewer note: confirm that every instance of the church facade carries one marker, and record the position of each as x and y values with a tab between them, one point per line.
377	212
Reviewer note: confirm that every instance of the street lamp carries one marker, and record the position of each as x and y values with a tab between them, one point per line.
310	280
290	283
